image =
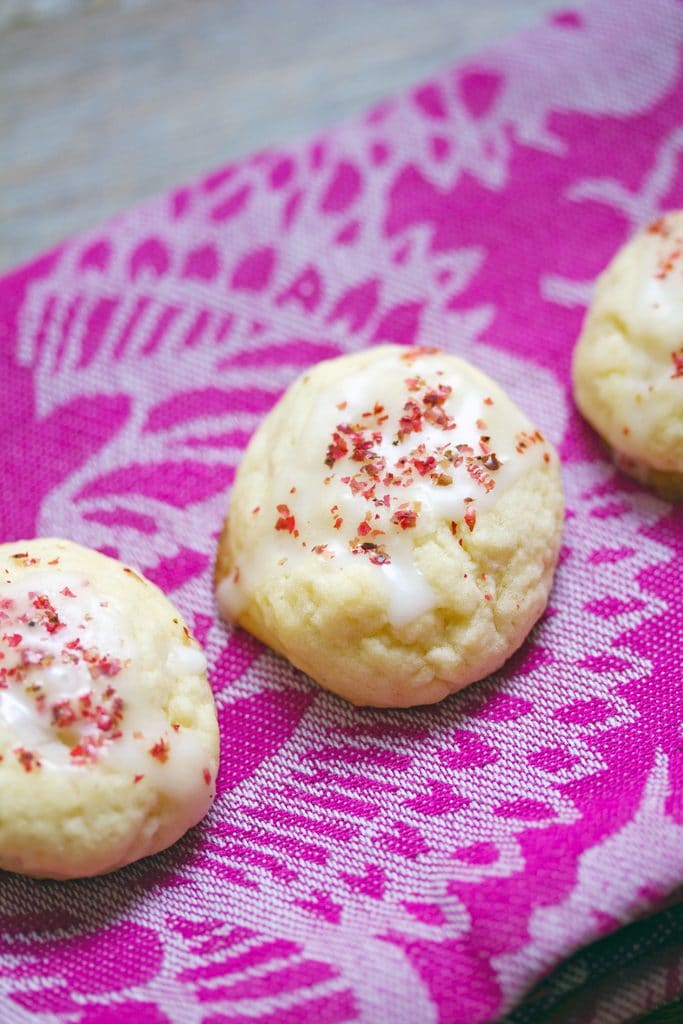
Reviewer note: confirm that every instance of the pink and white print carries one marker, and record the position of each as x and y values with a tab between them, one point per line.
363	865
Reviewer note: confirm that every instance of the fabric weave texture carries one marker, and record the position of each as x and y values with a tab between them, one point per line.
423	866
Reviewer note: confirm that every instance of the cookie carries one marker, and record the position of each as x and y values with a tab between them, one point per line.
628	362
108	733
393	527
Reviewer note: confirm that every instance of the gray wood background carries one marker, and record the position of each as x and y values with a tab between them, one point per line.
104	102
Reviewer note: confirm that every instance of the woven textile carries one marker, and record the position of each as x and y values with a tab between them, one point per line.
422	866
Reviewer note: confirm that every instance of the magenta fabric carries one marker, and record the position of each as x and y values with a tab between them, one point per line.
424	866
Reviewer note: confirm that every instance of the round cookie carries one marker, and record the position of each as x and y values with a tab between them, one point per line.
628	362
108	733
393	527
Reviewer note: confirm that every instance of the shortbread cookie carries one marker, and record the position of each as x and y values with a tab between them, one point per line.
393	527
108	733
628	363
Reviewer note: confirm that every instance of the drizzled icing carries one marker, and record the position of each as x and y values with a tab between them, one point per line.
652	292
406	444
70	691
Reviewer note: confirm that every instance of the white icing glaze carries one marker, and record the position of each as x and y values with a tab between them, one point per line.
650	289
421	477
70	691
185	660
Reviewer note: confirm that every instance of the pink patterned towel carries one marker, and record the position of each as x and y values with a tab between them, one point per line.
424	866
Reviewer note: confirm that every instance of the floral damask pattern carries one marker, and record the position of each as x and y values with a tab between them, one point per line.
367	865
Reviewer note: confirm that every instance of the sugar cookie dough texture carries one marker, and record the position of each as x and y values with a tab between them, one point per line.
108	734
628	363
393	527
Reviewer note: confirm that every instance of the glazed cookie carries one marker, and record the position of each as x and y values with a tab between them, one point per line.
108	733
393	528
628	363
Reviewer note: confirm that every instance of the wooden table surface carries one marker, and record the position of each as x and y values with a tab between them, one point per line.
104	102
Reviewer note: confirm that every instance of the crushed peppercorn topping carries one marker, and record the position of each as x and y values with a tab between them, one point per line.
384	459
356	453
659	226
286	520
85	720
28	759
667	263
161	750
